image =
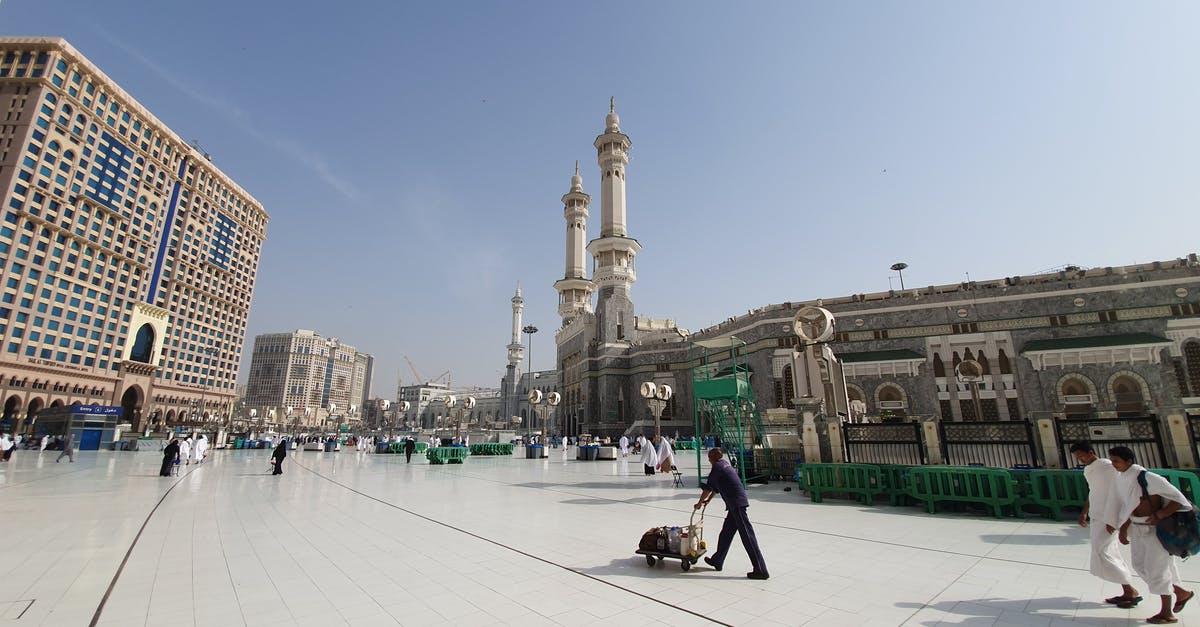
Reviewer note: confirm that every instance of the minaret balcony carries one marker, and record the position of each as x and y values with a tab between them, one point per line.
614	274
574	283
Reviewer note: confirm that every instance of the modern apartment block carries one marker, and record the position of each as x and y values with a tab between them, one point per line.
128	258
302	378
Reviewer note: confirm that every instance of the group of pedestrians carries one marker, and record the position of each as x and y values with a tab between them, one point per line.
655	455
183	452
1125	503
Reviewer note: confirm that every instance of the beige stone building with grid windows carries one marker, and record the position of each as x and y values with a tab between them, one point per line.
301	379
128	258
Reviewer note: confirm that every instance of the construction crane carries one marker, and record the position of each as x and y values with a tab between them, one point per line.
416	374
422	380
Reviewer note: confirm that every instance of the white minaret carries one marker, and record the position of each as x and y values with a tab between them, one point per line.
516	350
614	250
574	289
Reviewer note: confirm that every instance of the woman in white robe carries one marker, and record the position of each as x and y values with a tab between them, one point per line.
666	454
649	456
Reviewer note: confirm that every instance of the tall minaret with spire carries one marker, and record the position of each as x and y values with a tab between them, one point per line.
516	352
574	289
614	250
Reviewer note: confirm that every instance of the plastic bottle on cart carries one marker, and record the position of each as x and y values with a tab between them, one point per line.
673	542
685	543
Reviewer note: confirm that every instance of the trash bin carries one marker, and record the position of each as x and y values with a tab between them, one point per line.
383	447
533	452
330	447
590	452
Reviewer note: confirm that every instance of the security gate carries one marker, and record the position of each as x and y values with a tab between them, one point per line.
1000	444
891	443
1140	434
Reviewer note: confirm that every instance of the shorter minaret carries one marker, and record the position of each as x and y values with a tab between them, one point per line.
574	289
516	352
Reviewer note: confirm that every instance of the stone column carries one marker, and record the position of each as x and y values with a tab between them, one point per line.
808	408
1180	441
933	441
837	447
1045	432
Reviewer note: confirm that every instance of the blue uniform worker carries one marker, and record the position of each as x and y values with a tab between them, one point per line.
724	480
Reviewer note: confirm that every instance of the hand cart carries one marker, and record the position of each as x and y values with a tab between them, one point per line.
698	548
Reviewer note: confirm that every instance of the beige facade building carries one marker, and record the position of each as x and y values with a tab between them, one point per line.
128	258
304	379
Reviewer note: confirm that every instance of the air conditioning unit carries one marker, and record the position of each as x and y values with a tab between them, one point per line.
891	404
1078	399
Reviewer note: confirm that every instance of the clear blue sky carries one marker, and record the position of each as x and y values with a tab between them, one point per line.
412	155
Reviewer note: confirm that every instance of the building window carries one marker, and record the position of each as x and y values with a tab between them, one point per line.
1191	354
1005	367
1014	411
947	410
1127	395
939	368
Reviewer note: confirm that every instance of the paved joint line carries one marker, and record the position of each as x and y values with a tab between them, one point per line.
117	575
513	549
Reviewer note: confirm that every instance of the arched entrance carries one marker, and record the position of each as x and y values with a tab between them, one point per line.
8	421
31	414
131	407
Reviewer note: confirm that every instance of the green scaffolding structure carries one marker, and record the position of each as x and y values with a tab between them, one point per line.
724	404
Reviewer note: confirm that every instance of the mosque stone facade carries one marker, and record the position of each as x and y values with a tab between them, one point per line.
1077	343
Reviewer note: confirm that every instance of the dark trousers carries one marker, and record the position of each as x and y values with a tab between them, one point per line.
165	471
737	521
278	467
407	456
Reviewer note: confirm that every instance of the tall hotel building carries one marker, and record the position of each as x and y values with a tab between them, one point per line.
303	378
128	258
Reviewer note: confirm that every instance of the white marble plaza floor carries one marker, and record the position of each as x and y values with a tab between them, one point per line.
359	539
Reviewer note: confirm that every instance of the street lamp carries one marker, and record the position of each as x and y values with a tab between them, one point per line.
529	330
467	405
210	351
383	407
656	396
899	267
970	372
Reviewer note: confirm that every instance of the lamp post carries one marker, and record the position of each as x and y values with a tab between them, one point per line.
210	351
450	401
383	407
656	396
970	372
467	405
529	330
552	399
899	267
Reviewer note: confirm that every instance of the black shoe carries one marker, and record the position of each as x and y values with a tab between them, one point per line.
716	567
753	575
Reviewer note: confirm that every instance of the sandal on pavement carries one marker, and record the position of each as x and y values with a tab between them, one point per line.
1127	603
1120	598
1161	620
1180	602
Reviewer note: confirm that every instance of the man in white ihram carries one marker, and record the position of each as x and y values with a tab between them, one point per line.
1099	517
624	446
1138	515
